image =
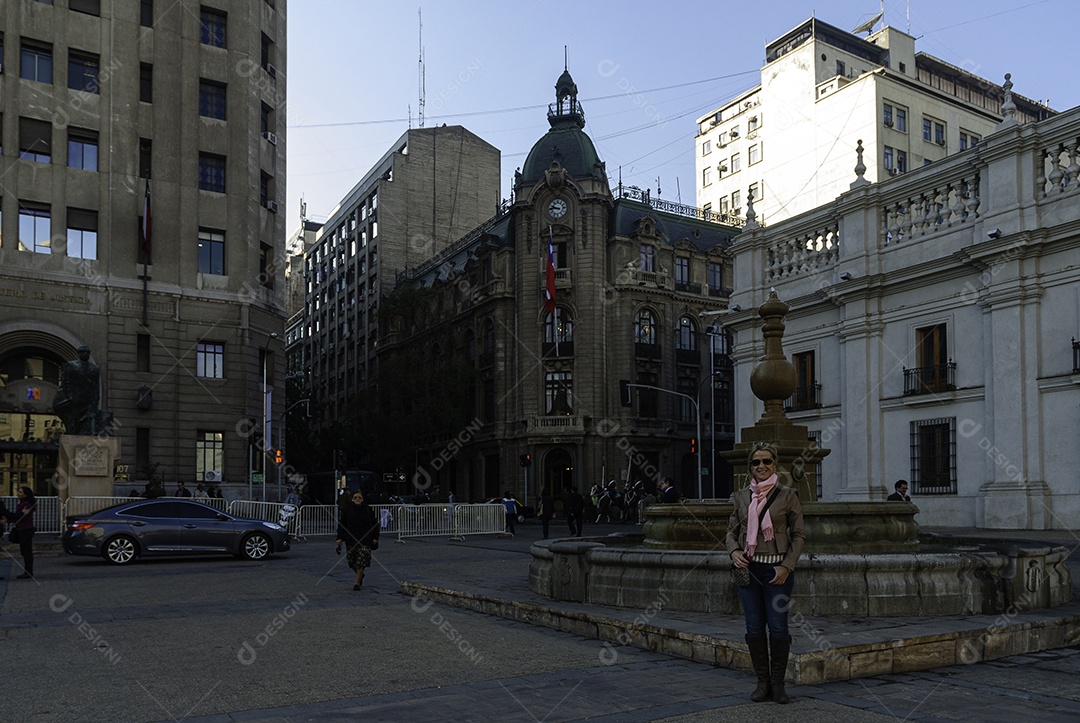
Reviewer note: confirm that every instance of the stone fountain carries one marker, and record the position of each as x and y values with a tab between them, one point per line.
860	559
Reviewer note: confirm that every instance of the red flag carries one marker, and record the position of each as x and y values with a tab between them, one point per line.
549	290
144	229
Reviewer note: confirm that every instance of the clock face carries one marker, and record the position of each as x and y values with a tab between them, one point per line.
557	208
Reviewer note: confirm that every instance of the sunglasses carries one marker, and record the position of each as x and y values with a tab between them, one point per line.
758	462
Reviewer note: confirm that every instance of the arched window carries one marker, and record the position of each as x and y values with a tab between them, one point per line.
687	335
468	344
489	337
558	326
645	328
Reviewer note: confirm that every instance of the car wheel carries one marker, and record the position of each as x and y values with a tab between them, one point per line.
256	546
121	550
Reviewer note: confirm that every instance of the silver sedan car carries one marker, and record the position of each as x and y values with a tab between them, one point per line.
129	530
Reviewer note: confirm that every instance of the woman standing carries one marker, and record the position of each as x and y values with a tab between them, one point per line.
765	535
359	531
24	529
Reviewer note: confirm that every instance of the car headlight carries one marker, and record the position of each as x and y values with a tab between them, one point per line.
274	526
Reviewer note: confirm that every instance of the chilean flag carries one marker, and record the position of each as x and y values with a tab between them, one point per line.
549	290
144	229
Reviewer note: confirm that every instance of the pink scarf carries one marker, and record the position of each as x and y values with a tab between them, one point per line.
759	492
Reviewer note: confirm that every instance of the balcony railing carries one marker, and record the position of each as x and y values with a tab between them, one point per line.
646	351
643	195
933	379
687	288
805	397
557	424
1076	356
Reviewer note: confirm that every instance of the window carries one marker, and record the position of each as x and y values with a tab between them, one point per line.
146	147
901	161
146	13
968	140
933	130
939	133
35	140
648	257
266	125
724	206
83	72
146	82
142	353
645	328
887	115
930	345
736	202
682	270
716	276
211	99
754	154
266	188
889	162
35	228
211	172
82	234
901	120
211	252
35	62
805	395
706	147
210	360
755	191
736	162
90	7
209	452
82	149
213	27
648	399
934	372
754	123
558	393
706	175
841	69
267	52
933	456
266	265
558	326
687	386
927	129
686	340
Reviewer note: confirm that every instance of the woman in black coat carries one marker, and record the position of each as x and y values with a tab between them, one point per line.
359	530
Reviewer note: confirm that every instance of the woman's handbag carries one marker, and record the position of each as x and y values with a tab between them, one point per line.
740	576
13	536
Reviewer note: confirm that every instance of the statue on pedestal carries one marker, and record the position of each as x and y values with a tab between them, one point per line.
80	392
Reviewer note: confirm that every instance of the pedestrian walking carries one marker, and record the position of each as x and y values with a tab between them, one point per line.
765	536
546	509
23	530
575	510
359	531
181	490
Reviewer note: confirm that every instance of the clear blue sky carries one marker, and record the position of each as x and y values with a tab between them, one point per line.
644	70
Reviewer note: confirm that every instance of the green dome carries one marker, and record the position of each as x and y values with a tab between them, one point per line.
568	145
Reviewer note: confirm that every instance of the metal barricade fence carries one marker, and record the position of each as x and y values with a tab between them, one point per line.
86	505
316	520
453	521
48	513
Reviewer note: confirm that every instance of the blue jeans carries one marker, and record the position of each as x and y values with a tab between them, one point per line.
764	604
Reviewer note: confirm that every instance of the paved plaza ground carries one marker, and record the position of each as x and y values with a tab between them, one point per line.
219	639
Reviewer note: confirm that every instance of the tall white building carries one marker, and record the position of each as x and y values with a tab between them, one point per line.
788	140
933	326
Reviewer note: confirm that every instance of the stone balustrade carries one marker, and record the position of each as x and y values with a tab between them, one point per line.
806	252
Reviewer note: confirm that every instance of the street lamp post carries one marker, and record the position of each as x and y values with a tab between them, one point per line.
713	331
697	419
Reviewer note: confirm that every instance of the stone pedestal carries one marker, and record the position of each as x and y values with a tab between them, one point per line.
85	467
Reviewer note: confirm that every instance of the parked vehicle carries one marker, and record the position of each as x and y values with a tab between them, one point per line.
129	530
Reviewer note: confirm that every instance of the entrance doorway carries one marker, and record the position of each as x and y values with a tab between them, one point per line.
558	472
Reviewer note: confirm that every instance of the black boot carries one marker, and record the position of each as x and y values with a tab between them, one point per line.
780	649
759	657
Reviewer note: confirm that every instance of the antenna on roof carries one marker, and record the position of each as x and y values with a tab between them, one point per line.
420	20
566	58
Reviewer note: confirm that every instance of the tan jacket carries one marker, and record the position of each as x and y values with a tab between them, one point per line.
787	517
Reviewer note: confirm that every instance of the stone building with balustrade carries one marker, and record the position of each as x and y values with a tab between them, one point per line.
632	273
933	324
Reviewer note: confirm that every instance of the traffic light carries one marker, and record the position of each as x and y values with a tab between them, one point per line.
279	456
693	445
625	395
525	460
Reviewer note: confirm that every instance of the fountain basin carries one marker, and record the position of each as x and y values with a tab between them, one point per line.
949	577
830	526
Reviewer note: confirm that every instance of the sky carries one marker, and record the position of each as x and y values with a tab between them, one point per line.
645	72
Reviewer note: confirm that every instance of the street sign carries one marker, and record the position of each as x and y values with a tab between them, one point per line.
258	477
704	471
